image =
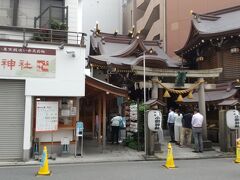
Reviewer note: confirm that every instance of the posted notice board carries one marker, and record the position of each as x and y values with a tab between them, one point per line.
46	116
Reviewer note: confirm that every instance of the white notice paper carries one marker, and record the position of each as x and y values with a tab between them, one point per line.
47	116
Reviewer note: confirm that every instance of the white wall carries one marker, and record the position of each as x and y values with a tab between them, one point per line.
27	140
70	76
73	19
107	12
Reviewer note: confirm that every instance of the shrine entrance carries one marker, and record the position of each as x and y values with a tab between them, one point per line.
97	108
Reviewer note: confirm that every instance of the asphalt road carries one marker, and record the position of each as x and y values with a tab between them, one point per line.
208	169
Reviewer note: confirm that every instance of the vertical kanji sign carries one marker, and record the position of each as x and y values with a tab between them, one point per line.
27	62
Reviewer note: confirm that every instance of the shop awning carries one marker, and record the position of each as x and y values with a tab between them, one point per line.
98	86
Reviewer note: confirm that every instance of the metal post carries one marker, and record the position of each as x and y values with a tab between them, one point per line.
52	144
67	17
77	37
138	135
144	101
82	146
24	36
35	22
63	10
50	17
76	143
51	35
82	40
79	135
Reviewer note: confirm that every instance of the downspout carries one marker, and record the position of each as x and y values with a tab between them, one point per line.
15	12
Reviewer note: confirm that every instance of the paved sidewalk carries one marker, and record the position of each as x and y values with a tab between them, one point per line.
186	153
118	153
92	154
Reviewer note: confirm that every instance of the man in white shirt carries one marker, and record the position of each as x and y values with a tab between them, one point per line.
171	120
197	121
115	122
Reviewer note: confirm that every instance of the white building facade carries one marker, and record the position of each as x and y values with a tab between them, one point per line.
38	65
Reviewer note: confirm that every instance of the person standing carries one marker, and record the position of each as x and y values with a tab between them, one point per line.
186	135
171	119
178	126
115	122
197	121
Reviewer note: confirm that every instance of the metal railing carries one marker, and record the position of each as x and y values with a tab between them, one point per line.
42	35
49	10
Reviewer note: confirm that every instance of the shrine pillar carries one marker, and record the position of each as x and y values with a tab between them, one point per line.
207	145
151	135
202	106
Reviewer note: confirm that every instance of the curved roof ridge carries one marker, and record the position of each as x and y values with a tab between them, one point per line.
116	40
204	26
131	48
208	17
192	30
223	11
103	34
150	58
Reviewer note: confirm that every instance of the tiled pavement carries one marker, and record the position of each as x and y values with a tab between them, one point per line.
116	153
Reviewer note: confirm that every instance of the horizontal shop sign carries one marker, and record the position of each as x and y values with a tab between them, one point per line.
27	62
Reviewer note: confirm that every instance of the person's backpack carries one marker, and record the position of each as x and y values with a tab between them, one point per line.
122	123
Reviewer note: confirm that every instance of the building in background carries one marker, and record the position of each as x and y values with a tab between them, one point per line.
179	16
213	43
107	13
42	74
167	21
147	17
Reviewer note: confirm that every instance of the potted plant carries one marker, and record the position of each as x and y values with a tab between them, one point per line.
60	34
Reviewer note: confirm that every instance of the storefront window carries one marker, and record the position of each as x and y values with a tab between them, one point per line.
55	121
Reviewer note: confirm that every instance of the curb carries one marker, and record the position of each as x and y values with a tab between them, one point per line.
145	158
155	158
36	164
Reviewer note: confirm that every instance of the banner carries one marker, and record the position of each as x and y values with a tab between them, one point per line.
27	62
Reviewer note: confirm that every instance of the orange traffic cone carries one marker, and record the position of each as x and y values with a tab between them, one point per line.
170	162
44	170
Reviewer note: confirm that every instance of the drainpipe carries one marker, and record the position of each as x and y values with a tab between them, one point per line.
15	12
